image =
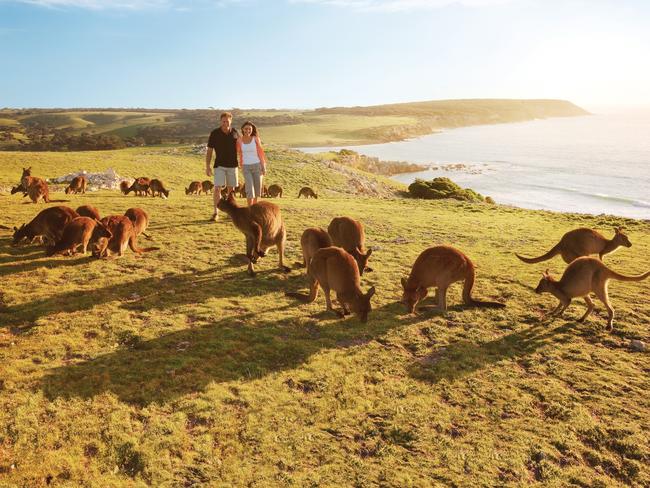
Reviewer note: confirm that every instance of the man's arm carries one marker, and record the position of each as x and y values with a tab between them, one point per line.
208	162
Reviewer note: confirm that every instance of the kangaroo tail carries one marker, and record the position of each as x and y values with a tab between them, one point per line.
467	291
147	236
134	247
303	297
620	277
553	252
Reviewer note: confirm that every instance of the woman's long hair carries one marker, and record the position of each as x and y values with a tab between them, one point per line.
254	133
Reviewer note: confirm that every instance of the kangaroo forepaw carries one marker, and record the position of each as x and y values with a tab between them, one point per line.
261	253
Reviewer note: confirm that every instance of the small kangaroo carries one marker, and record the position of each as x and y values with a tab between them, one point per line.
81	231
88	211
264	193
194	188
312	240
125	187
140	220
38	190
582	242
274	191
307	192
123	235
157	186
241	190
583	276
439	267
77	185
334	269
351	236
140	186
207	186
262	225
49	223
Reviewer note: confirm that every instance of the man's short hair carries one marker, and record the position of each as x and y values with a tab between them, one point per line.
225	114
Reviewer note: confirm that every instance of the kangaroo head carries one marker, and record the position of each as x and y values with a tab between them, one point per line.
68	190
545	284
101	230
27	172
187	191
411	297
19	234
361	306
620	238
361	259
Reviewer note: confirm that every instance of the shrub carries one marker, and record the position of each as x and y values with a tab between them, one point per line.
439	188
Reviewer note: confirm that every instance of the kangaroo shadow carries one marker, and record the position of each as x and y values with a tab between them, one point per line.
23	259
244	347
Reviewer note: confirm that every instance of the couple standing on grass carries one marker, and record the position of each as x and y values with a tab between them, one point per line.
233	150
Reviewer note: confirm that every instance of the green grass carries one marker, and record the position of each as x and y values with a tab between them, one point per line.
177	369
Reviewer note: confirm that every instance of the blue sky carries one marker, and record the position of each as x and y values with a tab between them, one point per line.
312	53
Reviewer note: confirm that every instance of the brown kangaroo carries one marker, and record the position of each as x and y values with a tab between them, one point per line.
140	220
274	191
207	186
351	236
140	186
81	231
88	211
439	267
27	180
307	192
583	276
583	242
38	190
49	223
312	240
157	186
264	193
262	225
334	269
194	188
125	187
123	234
241	190
77	185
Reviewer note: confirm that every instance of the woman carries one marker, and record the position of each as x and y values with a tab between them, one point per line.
252	161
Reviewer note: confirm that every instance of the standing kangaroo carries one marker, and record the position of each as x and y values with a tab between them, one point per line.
140	186
77	185
38	190
582	242
123	235
307	192
334	269
49	223
583	276
312	240
439	267
262	225
351	236
206	186
274	191
82	231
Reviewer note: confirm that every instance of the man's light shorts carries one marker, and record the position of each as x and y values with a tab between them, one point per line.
225	176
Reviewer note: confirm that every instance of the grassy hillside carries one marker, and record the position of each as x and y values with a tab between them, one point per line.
177	369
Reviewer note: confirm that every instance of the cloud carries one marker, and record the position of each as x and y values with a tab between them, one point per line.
400	5
124	4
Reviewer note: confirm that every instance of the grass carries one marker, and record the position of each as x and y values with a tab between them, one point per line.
176	369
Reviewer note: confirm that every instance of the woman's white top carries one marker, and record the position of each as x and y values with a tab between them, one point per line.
249	152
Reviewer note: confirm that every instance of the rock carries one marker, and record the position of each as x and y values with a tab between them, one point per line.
109	179
638	346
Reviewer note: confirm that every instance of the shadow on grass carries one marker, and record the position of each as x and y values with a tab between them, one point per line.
237	348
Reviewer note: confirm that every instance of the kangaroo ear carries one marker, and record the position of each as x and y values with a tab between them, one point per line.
370	293
369	252
15	228
403	280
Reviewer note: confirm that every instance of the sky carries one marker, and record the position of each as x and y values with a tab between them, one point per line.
317	53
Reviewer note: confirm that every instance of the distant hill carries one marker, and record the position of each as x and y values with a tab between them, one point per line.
108	128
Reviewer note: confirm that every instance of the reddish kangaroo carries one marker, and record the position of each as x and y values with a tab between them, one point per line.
27	180
312	240
125	187
49	223
88	211
140	186
351	236
334	269
583	276
194	188
583	242
439	267
207	186
140	220
307	192
77	185
123	235
157	186
274	191
38	190
262	225
81	231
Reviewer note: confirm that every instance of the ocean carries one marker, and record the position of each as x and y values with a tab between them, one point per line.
590	164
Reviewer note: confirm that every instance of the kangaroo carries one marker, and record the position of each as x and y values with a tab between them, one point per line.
88	211
334	269
312	240
262	225
140	186
264	193
49	223
81	231
351	236
125	187
583	276
19	188
206	186
77	185
274	191
27	180
38	190
439	267
140	220
583	242
123	235
307	192
157	186
194	188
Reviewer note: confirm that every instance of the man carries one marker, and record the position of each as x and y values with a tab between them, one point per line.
223	141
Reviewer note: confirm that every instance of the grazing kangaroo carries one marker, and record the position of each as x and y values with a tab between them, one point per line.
583	242
439	267
125	187
140	186
334	269
140	220
194	188
49	223
274	191
157	186
207	186
81	231
307	192
262	225
77	185
312	240
88	211
583	276
351	236
123	235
